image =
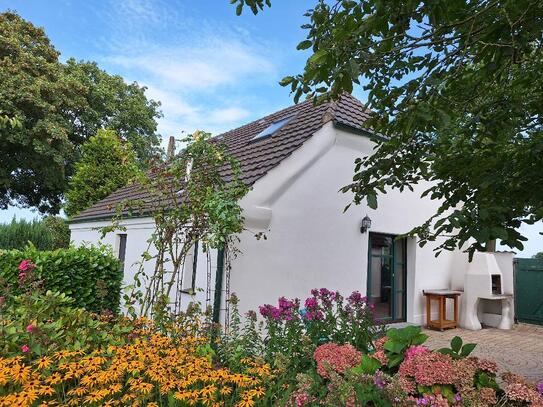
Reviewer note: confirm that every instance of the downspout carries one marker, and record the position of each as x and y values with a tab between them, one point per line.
218	286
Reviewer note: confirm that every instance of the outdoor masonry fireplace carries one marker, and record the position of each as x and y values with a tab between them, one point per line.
488	288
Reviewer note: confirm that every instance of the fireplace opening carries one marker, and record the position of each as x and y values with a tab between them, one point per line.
496	284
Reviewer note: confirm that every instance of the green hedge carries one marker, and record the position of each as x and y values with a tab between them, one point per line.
92	276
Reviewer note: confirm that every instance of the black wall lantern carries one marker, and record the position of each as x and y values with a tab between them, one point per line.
366	224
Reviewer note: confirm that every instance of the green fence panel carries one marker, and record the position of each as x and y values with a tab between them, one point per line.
529	290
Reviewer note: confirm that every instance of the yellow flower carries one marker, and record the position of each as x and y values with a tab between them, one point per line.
55	378
44	362
245	402
46	391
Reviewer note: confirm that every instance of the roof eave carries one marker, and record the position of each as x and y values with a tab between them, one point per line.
362	132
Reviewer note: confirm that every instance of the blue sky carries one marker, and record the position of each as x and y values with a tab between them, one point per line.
210	69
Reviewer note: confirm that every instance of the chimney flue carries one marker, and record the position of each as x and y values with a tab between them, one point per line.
171	148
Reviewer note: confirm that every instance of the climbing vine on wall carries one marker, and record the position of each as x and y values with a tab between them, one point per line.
192	197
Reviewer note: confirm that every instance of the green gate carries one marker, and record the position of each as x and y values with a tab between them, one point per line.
528	290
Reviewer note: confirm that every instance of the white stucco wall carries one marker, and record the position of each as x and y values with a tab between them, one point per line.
310	242
138	233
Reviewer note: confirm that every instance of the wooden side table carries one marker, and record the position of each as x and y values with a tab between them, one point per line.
441	297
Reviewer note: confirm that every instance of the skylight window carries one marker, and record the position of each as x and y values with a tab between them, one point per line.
272	128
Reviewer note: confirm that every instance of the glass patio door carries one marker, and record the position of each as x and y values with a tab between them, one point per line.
387	276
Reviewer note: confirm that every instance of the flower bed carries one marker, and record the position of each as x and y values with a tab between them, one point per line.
330	351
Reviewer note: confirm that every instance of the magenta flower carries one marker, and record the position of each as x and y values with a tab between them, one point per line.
311	303
26	265
25	348
539	388
356	298
30	328
22	276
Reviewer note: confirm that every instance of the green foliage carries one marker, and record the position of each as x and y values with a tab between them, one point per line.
456	91
538	256
368	365
18	233
195	198
458	350
50	109
90	275
106	164
399	340
48	234
111	103
50	322
59	230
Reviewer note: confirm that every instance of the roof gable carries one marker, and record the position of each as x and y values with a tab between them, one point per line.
257	157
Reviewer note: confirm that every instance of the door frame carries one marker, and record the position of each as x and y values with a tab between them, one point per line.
393	276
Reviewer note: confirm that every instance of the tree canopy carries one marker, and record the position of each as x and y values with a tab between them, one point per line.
106	164
49	109
457	95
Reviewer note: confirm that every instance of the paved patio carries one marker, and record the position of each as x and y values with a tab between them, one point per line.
519	350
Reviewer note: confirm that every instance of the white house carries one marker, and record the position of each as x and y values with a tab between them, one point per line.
296	160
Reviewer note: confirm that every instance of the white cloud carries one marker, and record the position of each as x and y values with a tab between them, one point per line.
204	65
228	115
204	73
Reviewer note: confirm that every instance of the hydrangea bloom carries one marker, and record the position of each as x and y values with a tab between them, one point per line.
415	350
337	358
379	353
429	368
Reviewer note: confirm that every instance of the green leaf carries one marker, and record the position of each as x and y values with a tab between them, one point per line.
368	365
456	344
467	349
394	346
372	201
304	45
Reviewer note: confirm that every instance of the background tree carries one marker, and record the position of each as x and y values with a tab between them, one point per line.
538	256
111	103
106	164
457	94
57	108
34	156
48	234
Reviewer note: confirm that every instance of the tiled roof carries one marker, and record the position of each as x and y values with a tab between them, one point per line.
258	157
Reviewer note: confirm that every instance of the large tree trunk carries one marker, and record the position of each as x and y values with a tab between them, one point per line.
490	246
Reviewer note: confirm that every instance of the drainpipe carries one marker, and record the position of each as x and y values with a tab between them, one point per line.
218	286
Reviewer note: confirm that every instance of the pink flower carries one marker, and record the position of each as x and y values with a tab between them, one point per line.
25	348
429	368
26	265
30	328
22	276
415	350
338	358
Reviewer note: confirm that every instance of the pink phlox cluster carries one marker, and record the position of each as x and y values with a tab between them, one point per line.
356	299
286	310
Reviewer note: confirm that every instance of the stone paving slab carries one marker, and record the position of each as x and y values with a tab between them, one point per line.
519	350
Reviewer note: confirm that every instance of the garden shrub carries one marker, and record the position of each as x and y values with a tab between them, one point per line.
36	324
92	276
